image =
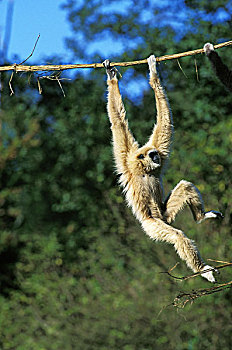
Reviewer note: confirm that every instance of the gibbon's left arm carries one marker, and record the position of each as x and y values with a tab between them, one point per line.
221	70
162	133
123	140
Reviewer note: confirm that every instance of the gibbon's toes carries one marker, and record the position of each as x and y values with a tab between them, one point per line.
209	274
208	48
213	214
152	64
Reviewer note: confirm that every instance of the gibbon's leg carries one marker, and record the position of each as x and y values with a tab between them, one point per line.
221	70
162	132
185	193
123	140
186	249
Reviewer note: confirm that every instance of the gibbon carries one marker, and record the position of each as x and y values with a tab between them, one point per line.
221	70
140	170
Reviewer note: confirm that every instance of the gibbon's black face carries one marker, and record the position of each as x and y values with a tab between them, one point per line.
147	160
155	157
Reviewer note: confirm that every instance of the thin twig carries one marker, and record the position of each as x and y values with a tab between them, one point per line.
15	65
22	68
220	261
39	86
61	87
183	298
196	69
181	69
184	278
52	76
31	51
10	86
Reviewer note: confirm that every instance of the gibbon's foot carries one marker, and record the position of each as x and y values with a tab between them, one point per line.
152	64
111	71
208	48
212	214
209	274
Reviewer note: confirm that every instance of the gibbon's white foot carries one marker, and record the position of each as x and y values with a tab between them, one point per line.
152	64
209	274
212	214
111	71
208	48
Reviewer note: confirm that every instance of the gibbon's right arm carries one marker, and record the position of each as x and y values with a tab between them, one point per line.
221	70
162	134
123	140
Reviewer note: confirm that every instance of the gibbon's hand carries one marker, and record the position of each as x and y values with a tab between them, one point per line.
111	71
152	65
209	274
208	48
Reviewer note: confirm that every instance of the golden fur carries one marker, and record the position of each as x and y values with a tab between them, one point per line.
140	170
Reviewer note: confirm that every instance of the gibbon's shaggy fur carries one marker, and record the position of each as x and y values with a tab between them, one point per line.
221	70
140	170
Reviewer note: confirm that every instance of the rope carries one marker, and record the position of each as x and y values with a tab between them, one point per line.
25	68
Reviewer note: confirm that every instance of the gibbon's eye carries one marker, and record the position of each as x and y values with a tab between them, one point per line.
141	156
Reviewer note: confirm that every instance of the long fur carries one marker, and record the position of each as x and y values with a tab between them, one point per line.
140	170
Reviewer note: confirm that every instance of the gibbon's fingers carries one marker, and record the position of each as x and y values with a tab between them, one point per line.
111	72
208	47
106	64
152	65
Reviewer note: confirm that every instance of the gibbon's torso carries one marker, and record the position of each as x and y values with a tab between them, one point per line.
144	194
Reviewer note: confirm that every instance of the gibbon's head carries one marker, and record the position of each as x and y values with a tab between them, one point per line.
145	160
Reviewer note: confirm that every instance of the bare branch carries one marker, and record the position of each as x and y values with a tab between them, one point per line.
10	86
184	278
185	297
31	51
196	69
22	68
52	76
181	69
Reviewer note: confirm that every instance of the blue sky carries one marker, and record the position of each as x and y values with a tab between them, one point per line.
33	17
46	17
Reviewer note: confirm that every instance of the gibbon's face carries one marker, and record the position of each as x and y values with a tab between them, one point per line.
145	161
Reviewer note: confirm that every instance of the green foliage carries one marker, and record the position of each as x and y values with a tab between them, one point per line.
76	270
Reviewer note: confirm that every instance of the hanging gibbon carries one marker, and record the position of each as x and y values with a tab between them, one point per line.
222	71
140	170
